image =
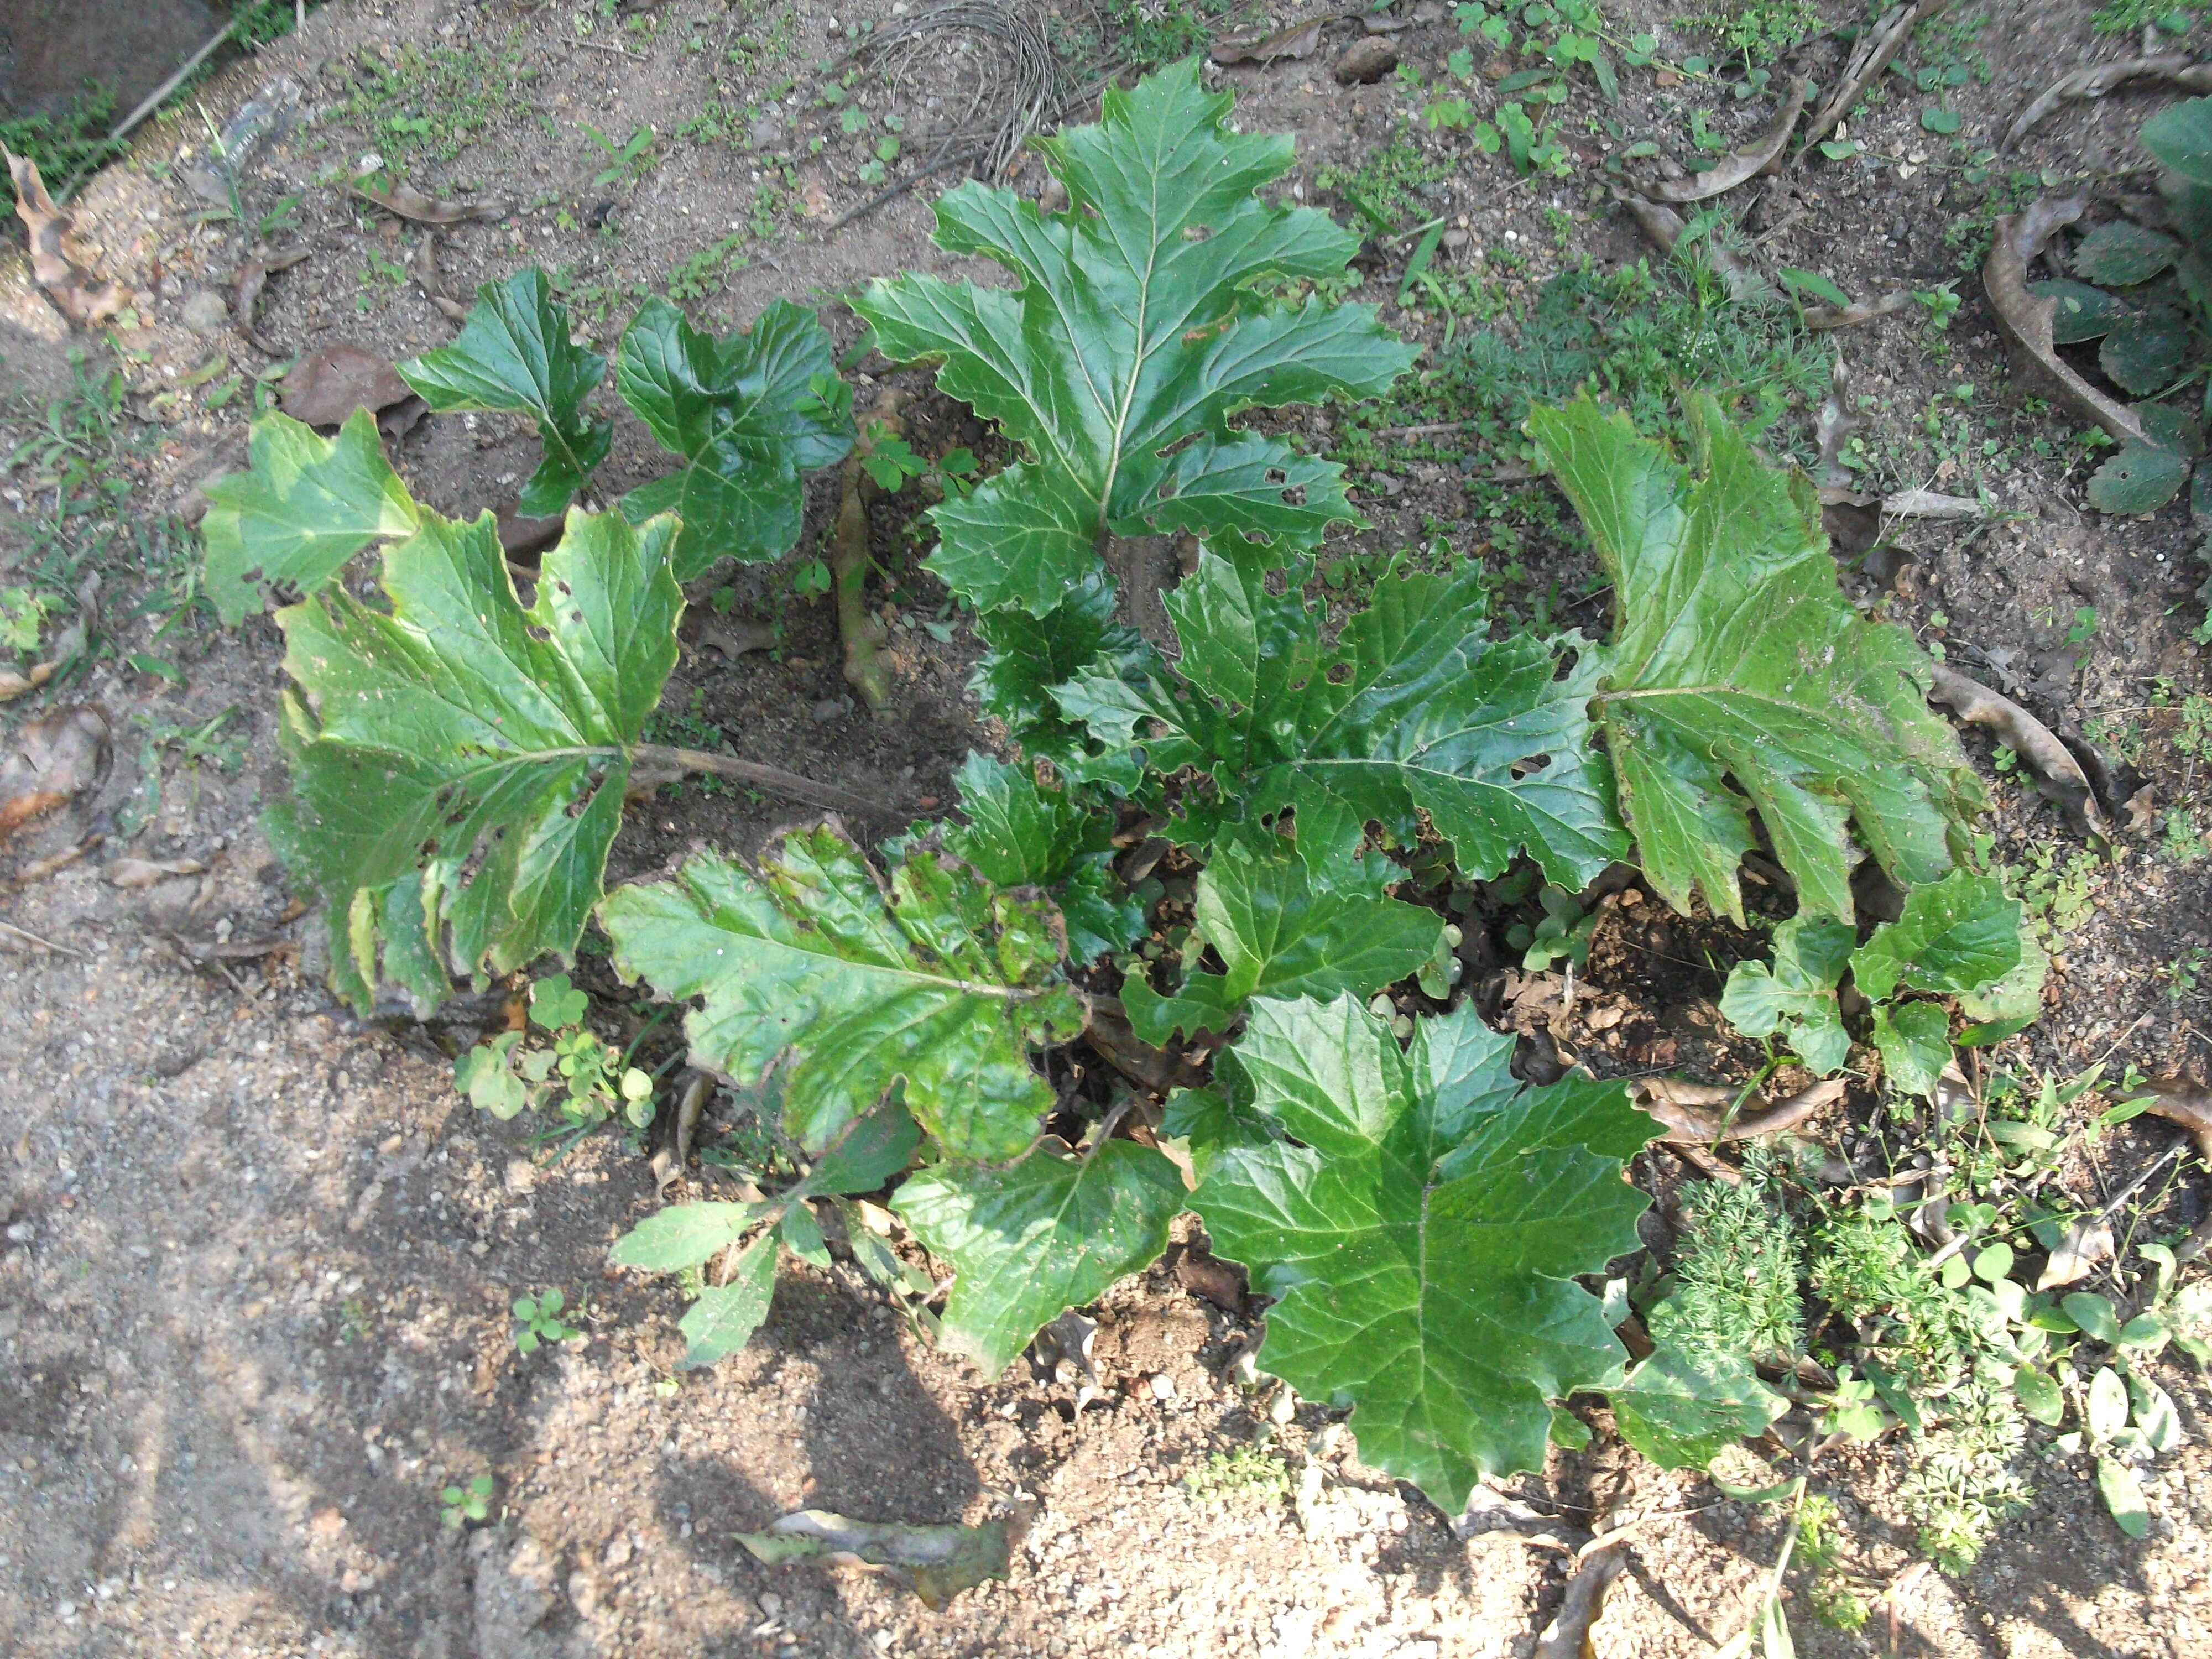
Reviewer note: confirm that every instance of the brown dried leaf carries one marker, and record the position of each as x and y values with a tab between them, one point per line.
1876	46
145	872
1300	38
67	284
1696	1124
1568	1635
404	201
14	685
2024	321
252	275
52	761
2088	1243
2025	735
326	386
1744	164
2095	80
1825	318
2183	1102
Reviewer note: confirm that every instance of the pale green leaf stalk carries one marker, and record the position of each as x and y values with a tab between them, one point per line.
1133	335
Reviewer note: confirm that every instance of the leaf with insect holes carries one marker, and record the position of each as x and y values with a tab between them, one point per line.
305	506
1740	678
2081	313
933	980
1682	1410
1021	834
1280	934
1136	330
725	1316
1413	711
749	414
1796	997
1051	1232
2142	478
514	353
458	764
1421	1233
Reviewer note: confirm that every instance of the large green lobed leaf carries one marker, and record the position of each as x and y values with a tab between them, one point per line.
934	980
458	764
1135	327
1413	711
1423	1233
306	506
1053	1232
514	352
749	414
1740	678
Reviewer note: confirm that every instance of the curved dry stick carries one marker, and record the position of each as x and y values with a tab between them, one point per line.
1743	164
2024	321
2095	80
1875	48
2019	732
1865	311
647	757
1686	1123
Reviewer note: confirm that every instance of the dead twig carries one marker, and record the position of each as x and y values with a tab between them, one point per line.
28	938
867	669
2181	1102
2095	80
650	756
1743	165
1679	1107
1867	60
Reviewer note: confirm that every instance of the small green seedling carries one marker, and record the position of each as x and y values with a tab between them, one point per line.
538	1318
462	1505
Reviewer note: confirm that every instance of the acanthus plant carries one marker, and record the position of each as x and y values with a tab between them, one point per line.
1343	1128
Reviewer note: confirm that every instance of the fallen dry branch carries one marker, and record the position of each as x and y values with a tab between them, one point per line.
1742	164
2025	735
2095	80
404	201
2024	321
660	762
1830	318
1871	56
1684	1108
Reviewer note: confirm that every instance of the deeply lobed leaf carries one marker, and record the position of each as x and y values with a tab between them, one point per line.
1020	833
1413	711
306	505
1135	327
748	413
513	352
1740	678
933	980
1053	1232
457	765
1422	1232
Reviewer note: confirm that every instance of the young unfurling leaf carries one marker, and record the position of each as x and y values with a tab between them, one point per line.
1021	834
461	724
748	413
1423	1233
933	980
1414	710
1134	335
1740	679
514	353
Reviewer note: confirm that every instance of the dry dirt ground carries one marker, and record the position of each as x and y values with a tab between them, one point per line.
258	1256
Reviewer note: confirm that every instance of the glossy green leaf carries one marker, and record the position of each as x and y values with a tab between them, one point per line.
2144	354
1796	997
2121	253
1422	1238
304	507
2040	1397
514	353
2181	137
724	1318
933	979
1914	1039
682	1235
1682	1410
1134	331
2093	1314
1051	1232
2106	1410
2141	479
1740	678
2156	1417
1021	833
2081	313
1030	656
802	1234
469	744
1959	935
1413	711
1279	934
749	414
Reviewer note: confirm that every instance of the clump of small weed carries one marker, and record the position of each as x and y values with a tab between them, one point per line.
1736	1280
1243	1478
1760	30
1382	188
1868	1271
1961	1485
430	103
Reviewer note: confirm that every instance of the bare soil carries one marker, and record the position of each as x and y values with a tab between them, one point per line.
258	1256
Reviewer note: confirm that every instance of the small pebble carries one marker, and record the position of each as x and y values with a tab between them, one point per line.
205	312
